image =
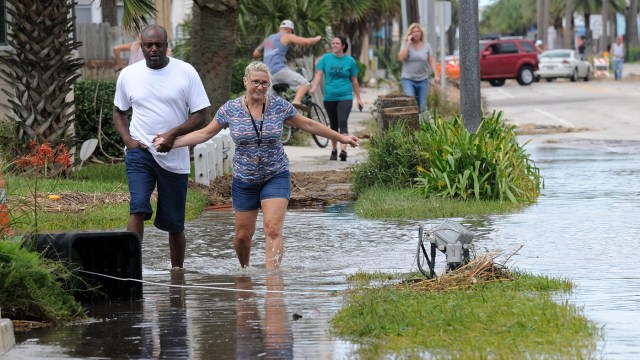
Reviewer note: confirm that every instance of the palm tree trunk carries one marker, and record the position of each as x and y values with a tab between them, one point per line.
213	46
632	25
568	19
604	39
109	12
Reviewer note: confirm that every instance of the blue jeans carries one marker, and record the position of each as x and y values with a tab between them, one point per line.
246	196
617	68
144	174
417	89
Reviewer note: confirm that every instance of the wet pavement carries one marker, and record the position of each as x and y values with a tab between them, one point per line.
584	227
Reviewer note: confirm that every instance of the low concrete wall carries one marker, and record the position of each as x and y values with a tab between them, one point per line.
7	339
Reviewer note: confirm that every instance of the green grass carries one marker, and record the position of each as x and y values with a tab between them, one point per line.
390	203
91	179
30	286
506	320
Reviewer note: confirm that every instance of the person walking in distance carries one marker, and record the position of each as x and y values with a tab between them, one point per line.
340	82
617	51
416	56
167	98
275	48
261	178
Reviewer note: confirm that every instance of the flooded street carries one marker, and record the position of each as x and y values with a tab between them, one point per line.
585	227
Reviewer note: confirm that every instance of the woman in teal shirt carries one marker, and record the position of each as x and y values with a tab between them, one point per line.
340	82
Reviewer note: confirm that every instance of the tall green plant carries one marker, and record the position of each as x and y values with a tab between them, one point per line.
94	118
30	286
486	165
392	160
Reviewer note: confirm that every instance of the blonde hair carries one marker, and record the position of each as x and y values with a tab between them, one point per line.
257	66
410	29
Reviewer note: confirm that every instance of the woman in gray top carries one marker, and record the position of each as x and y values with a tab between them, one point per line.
416	55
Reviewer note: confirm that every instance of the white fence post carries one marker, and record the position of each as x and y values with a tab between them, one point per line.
213	158
201	164
211	164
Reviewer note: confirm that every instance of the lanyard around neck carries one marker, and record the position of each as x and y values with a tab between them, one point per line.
253	121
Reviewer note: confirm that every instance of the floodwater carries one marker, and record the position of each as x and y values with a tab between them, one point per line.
585	228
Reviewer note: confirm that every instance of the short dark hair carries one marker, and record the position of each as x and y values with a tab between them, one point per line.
154	27
345	44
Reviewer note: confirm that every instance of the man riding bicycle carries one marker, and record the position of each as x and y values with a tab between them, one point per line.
275	48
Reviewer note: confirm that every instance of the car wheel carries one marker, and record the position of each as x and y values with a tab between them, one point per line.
496	82
586	77
574	76
525	75
550	79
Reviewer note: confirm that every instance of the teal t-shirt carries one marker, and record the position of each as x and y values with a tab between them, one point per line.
338	72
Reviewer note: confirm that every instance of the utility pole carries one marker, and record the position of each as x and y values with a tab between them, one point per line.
470	65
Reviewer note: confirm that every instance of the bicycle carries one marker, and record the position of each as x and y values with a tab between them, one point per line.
309	109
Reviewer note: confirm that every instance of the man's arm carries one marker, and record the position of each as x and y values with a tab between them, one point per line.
121	123
298	40
258	51
194	122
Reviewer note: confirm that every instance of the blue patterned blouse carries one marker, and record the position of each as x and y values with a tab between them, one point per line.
250	163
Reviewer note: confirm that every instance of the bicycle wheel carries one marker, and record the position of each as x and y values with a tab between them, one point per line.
286	134
316	113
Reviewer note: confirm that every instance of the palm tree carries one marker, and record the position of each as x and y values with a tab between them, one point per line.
632	25
568	18
40	67
213	46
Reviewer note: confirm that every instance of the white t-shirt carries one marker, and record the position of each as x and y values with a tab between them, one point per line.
161	100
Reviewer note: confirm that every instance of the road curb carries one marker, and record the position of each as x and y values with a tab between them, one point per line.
7	338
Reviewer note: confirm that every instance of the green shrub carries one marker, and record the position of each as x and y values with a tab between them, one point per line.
94	117
444	159
9	142
31	286
237	86
634	54
362	71
392	161
487	165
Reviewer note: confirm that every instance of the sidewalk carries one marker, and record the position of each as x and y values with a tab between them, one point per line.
314	158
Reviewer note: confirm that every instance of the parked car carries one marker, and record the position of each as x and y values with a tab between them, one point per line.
504	59
563	63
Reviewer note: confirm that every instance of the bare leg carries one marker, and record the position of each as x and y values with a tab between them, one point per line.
273	213
136	224
302	89
334	144
177	245
245	228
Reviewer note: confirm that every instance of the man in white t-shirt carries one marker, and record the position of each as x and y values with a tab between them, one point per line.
168	99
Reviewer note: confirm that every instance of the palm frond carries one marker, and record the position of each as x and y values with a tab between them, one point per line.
137	14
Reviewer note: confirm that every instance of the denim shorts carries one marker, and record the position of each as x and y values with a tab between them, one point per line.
144	174
246	196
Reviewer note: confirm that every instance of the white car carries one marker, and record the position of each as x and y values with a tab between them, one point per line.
563	63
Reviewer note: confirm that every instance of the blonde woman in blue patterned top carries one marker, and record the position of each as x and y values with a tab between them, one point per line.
261	178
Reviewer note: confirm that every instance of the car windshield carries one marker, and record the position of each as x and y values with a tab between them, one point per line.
556	54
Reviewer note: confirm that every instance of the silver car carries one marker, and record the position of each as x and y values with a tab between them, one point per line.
563	63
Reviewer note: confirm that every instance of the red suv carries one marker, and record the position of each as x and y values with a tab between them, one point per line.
508	59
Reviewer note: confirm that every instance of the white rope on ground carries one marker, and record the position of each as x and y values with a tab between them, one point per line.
202	286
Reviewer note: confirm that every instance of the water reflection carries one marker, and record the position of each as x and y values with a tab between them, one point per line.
584	227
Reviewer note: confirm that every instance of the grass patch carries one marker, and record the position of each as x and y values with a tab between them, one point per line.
390	203
103	180
30	286
512	317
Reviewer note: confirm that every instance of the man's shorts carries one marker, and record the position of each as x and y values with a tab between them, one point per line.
144	173
288	76
246	196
